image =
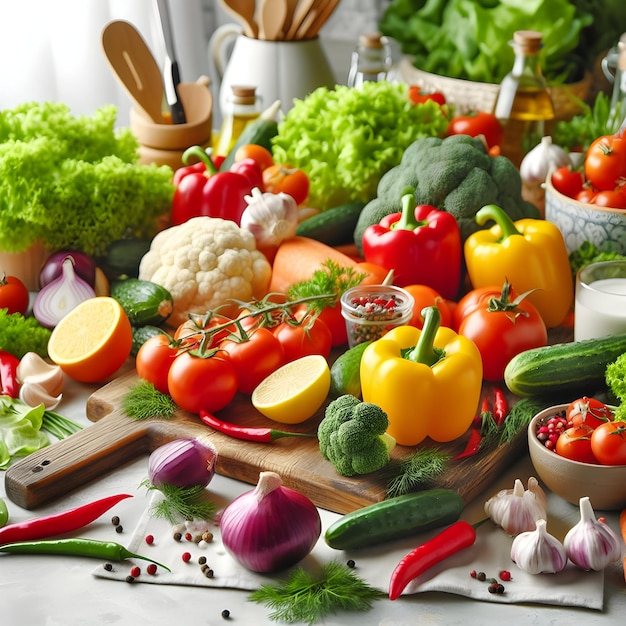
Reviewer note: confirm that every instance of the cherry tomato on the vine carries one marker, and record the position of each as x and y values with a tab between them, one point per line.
310	335
608	443
567	181
193	331
202	382
254	358
575	444
284	178
13	294
588	411
154	359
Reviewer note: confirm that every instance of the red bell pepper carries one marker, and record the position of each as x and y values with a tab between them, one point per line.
202	190
9	385
421	244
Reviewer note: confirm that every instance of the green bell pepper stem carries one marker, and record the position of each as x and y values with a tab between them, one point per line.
201	154
108	550
407	220
425	350
500	217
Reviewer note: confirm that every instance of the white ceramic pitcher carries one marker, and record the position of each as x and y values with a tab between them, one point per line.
280	70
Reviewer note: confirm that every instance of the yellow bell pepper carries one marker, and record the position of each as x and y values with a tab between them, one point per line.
428	381
530	254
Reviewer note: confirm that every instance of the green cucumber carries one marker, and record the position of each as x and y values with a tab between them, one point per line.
394	518
143	301
577	366
259	132
334	227
123	257
345	372
141	334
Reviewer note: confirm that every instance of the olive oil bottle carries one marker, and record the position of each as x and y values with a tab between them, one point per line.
523	104
244	106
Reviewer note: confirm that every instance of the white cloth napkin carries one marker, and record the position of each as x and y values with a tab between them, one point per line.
490	554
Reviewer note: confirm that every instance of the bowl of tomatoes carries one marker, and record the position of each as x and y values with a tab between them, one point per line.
578	450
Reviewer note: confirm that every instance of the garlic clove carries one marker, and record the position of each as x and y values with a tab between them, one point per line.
34	394
538	552
33	369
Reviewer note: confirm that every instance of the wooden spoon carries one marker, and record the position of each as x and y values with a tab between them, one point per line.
271	18
323	12
291	7
303	9
243	11
133	63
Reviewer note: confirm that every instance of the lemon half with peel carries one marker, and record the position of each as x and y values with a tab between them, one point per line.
294	392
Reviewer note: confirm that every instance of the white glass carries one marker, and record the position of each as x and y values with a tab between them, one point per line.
600	307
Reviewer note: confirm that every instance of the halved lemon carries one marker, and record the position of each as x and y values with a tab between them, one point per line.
295	391
92	341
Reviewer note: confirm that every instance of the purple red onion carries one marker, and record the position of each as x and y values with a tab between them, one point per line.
84	266
183	463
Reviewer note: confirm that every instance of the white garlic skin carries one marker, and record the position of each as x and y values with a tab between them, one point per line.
542	160
538	552
517	510
592	544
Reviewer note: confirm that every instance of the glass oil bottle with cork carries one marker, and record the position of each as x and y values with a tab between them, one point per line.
243	106
523	104
371	61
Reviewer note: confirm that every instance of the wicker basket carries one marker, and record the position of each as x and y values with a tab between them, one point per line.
467	96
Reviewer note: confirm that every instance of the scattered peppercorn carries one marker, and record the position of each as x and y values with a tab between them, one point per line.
491	580
178	536
481	576
208	572
188	536
505	575
351	564
202	560
130	579
226	614
108	567
207	536
119	529
150	539
115	520
135	571
151	569
473	573
186	557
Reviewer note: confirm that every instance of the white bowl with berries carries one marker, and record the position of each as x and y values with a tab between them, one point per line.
577	450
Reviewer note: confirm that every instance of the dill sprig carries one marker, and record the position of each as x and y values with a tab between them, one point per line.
143	401
182	503
416	471
520	415
304	597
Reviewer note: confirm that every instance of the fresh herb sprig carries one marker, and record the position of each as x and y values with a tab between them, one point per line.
416	471
303	597
143	401
182	503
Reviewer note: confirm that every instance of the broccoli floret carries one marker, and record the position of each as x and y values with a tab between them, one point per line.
615	376
454	174
352	436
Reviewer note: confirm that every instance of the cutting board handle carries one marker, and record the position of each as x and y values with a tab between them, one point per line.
86	455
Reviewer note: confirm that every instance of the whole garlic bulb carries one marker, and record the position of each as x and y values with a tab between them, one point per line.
517	510
592	544
538	552
541	160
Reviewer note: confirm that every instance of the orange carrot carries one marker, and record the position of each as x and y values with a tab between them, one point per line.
622	527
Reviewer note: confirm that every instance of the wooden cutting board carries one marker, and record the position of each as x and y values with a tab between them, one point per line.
115	439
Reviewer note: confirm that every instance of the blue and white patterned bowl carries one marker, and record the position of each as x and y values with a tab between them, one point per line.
579	222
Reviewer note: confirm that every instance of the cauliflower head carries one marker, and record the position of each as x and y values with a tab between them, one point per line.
204	263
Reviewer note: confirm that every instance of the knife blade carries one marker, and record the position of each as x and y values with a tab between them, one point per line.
171	72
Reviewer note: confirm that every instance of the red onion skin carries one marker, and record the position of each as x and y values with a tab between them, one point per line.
270	533
84	267
183	463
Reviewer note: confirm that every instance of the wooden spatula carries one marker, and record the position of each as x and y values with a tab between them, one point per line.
272	14
243	12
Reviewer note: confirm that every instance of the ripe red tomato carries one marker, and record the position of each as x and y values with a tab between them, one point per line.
588	411
612	198
575	444
608	443
567	181
197	382
502	333
191	332
255	358
424	296
154	359
260	154
473	299
605	162
478	123
417	97
13	294
284	178
586	194
310	336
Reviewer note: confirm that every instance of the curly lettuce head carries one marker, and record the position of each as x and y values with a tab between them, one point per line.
345	139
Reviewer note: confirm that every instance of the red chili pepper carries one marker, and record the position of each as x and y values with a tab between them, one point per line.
59	523
202	190
476	435
9	385
264	435
449	541
421	244
500	407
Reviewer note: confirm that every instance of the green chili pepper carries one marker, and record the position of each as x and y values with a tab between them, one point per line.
108	550
4	513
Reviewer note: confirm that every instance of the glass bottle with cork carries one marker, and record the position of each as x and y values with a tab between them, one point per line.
523	104
243	106
371	61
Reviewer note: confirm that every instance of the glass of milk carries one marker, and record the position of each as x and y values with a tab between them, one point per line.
600	307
